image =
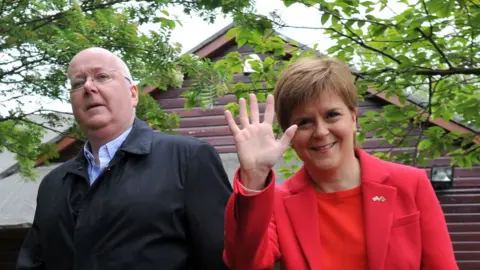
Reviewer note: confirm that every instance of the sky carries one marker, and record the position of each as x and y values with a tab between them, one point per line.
194	30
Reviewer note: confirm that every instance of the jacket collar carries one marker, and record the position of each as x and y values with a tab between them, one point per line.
301	180
301	207
371	168
378	207
138	142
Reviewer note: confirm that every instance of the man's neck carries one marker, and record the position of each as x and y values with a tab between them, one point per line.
103	136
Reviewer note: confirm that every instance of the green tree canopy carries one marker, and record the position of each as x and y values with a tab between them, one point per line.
426	51
39	37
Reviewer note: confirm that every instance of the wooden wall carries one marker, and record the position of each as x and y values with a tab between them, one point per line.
461	203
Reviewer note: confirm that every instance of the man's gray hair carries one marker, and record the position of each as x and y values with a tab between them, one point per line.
125	70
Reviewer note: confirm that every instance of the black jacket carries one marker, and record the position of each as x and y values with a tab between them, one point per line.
159	204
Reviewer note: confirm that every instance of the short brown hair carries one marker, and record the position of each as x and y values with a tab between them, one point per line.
306	78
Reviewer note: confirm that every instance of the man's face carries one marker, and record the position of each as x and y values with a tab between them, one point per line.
105	103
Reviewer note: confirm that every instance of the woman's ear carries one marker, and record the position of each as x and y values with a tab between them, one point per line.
354	118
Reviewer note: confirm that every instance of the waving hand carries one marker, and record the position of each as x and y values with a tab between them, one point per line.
257	148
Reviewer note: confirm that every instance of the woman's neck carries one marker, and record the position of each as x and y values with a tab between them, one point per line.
345	177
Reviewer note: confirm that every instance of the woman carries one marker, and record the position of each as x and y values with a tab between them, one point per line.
344	209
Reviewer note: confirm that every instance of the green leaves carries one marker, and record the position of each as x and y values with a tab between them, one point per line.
441	8
39	38
424	57
149	111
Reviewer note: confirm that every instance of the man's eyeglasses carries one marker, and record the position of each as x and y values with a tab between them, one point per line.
100	77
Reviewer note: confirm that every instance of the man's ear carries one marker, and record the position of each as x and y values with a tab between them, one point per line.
134	95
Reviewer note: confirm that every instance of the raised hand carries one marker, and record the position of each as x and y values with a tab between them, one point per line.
257	148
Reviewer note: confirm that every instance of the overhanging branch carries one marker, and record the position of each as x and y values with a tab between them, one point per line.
447	72
427	72
435	45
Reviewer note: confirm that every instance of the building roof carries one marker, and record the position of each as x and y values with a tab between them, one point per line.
8	163
18	198
18	195
217	41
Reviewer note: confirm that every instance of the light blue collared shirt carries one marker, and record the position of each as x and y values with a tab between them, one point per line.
105	155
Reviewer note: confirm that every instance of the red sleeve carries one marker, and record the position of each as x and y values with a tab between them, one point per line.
437	249
251	240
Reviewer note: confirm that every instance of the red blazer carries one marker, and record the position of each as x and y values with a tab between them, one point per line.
405	231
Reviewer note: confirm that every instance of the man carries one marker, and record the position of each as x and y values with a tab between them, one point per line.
133	199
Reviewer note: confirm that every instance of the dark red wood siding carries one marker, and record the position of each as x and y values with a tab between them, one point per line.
461	204
10	242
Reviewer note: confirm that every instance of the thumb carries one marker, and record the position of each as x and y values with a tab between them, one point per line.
287	137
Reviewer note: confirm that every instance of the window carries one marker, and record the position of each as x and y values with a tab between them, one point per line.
247	67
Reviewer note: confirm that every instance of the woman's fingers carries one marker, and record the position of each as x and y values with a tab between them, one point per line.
243	113
254	114
269	110
287	137
231	123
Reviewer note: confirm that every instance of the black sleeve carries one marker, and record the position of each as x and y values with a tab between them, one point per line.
30	255
207	190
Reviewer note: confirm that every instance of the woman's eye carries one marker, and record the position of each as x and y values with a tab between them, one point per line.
332	114
304	122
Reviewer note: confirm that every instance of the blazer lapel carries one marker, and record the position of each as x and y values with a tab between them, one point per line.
302	211
378	204
378	207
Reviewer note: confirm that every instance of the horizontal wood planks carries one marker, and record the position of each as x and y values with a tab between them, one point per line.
461	204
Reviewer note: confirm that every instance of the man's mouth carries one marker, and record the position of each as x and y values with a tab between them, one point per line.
324	147
93	106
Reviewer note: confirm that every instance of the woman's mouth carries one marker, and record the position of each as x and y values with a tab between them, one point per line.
324	147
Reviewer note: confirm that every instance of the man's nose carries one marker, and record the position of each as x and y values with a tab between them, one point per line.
90	86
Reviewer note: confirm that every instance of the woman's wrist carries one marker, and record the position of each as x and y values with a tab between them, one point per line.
253	180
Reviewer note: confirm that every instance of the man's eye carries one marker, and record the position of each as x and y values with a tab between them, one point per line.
77	83
102	77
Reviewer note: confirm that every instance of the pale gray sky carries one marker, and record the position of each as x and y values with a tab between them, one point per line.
194	30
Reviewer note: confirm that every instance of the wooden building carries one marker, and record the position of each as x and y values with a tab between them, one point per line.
461	203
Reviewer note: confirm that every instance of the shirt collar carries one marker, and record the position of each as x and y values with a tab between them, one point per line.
109	149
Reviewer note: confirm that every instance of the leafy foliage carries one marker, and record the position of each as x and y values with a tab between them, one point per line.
426	55
148	110
38	38
207	89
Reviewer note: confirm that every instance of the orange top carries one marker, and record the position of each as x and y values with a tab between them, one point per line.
342	235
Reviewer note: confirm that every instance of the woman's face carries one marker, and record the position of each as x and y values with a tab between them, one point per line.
325	134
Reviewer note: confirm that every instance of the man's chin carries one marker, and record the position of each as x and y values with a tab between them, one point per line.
97	123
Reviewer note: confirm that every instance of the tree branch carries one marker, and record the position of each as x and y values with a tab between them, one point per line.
428	14
11	98
447	72
26	120
429	38
429	72
385	3
24	65
364	45
61	14
474	4
472	34
396	41
354	19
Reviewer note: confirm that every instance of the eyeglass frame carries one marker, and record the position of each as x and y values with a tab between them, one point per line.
93	80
